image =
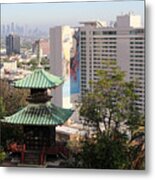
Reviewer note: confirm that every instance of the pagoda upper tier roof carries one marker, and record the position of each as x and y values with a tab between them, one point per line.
45	114
39	79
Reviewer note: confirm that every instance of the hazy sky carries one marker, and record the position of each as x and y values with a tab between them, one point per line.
52	14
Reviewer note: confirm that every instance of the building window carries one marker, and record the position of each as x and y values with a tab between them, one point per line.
137	31
83	33
83	38
96	33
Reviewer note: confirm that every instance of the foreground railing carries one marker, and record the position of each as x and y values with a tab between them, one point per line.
54	150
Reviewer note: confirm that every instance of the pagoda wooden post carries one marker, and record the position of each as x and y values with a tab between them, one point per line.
42	156
23	153
22	157
53	135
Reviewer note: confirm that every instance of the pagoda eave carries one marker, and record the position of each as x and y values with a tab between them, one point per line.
39	79
40	115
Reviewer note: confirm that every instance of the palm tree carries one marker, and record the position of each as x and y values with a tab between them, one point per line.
137	148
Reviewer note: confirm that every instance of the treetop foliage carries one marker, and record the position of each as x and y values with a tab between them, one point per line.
111	100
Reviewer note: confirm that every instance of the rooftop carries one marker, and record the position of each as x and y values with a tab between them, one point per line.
40	114
96	23
39	79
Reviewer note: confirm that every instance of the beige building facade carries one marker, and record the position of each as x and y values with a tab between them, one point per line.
124	42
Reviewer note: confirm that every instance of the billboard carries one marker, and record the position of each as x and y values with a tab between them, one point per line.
75	65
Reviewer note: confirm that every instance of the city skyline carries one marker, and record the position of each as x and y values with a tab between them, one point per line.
67	13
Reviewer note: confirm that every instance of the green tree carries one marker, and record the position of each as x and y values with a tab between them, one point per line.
112	101
34	63
11	100
44	61
106	151
110	108
137	148
19	64
2	154
2	108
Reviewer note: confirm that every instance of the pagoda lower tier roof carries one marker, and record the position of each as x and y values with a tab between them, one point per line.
39	79
40	114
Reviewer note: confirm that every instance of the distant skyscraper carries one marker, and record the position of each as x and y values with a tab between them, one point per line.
25	30
12	44
8	29
3	30
43	46
12	28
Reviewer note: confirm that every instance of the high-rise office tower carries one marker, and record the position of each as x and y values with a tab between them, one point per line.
61	43
12	27
124	43
12	44
3	30
8	29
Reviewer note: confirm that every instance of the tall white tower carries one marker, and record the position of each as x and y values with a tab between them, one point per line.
61	42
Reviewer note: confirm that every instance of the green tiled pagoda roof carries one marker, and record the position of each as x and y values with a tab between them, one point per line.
39	79
40	114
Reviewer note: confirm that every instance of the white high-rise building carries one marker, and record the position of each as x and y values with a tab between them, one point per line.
61	43
125	43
